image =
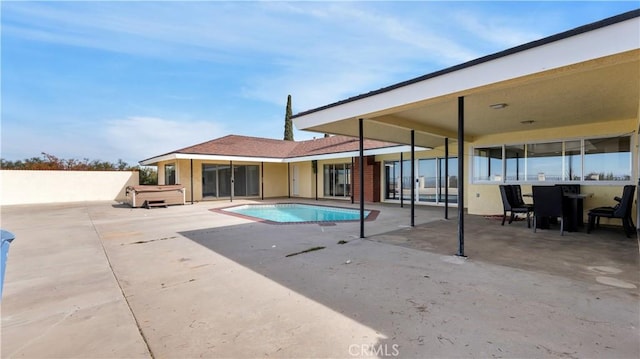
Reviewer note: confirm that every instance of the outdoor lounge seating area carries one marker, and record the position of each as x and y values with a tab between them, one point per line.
563	205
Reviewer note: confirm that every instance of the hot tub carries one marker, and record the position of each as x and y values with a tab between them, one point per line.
155	196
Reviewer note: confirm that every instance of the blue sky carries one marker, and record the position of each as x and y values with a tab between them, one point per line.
131	80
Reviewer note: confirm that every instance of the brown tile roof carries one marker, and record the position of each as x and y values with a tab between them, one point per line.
245	146
334	144
234	145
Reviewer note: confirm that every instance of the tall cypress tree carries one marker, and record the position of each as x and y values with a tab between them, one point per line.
288	124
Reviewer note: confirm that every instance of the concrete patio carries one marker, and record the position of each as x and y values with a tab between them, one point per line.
106	280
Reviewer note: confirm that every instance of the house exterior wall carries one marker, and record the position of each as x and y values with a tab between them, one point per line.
306	179
275	180
480	198
484	198
31	187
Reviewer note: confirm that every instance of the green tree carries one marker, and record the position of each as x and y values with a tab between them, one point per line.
51	162
288	124
148	175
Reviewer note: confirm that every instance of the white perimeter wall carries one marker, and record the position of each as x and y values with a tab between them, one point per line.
26	187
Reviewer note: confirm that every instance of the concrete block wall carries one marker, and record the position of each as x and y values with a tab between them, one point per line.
32	187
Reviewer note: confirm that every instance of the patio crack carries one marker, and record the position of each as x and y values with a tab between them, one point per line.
104	250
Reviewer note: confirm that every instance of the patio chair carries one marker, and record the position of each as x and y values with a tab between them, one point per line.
517	196
621	210
548	203
509	204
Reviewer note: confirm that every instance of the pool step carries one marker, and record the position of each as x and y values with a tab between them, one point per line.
155	203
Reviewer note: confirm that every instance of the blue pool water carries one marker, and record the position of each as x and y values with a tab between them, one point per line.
287	213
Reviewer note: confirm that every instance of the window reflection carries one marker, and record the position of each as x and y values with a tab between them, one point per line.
544	161
487	164
593	159
607	159
514	162
170	174
573	161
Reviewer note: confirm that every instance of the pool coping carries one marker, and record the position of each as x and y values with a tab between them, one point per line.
373	214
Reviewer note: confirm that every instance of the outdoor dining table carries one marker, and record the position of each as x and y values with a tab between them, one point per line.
573	209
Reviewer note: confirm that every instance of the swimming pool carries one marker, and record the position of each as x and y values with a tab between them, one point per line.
296	213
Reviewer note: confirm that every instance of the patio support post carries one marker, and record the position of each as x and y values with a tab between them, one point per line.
315	166
446	178
288	180
413	177
233	188
401	180
361	170
461	177
262	180
192	181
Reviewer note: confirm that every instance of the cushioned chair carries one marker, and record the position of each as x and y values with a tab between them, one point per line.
511	205
622	210
517	197
548	203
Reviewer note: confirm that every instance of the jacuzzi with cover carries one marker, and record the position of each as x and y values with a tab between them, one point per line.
155	195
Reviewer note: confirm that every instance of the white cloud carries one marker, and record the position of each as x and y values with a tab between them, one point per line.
347	47
144	137
502	31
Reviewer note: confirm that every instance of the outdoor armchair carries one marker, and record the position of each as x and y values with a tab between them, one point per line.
512	205
621	210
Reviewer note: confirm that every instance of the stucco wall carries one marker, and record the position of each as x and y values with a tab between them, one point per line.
30	187
306	180
275	180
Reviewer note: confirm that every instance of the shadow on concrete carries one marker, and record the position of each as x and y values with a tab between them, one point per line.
396	298
575	255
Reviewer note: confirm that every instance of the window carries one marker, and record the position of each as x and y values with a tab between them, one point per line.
607	159
544	161
514	162
170	174
487	164
592	159
430	183
573	161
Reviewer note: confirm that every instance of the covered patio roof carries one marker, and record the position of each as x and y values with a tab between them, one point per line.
585	75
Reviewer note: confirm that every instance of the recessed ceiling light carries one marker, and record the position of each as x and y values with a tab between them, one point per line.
498	106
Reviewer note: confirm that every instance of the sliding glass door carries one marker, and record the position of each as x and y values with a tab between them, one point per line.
217	180
337	180
430	182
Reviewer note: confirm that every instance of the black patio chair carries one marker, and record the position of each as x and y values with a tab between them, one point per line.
622	210
548	203
510	204
517	196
